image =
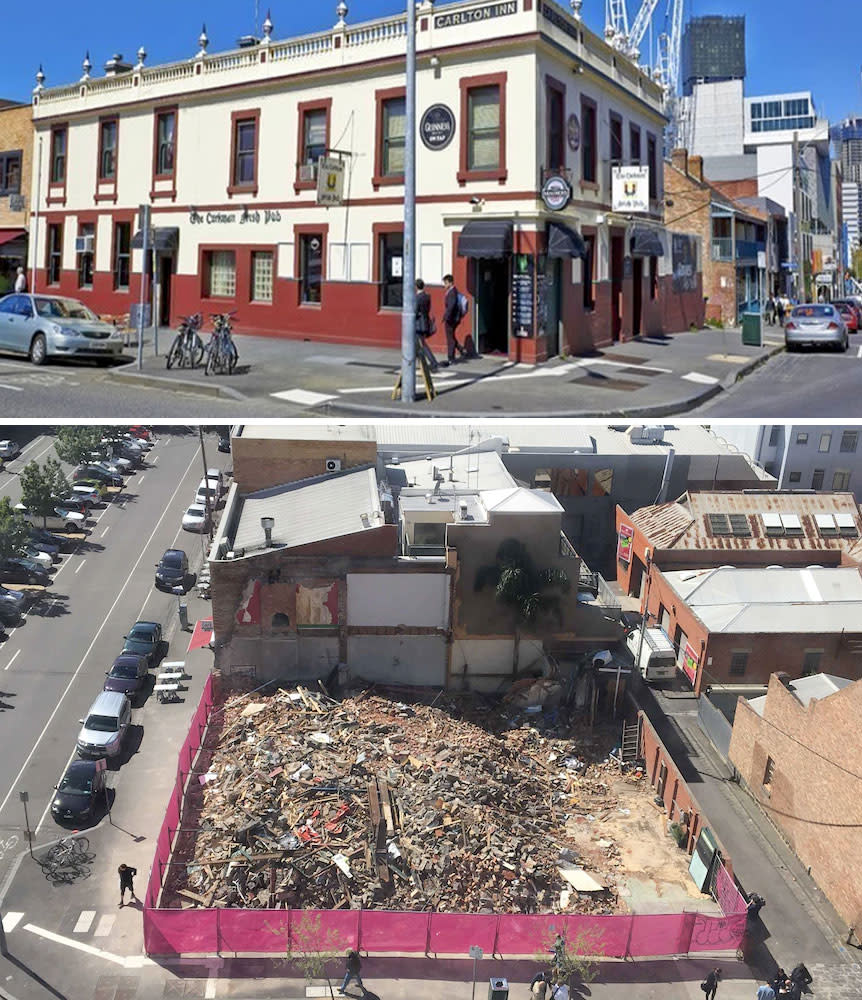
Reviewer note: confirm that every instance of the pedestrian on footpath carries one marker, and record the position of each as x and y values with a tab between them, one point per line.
539	984
560	991
425	325
779	310
451	318
770	311
20	282
710	984
353	971
127	874
766	993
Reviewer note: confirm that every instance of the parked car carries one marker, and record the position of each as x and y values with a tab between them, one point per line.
104	727
9	449
144	639
48	540
116	468
88	473
142	432
42	559
44	326
20	569
72	502
849	313
91	481
224	443
196	518
172	570
53	548
815	324
210	485
79	792
11	606
127	674
92	494
62	519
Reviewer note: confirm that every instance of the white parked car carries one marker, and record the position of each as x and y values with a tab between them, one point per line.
196	519
201	495
40	558
9	449
60	520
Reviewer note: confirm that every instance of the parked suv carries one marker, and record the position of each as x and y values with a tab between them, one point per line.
104	727
172	570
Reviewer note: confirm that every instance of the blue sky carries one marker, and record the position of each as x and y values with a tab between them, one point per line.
792	45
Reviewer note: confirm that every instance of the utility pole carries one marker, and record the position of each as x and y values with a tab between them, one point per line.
797	211
35	213
144	223
408	313
209	506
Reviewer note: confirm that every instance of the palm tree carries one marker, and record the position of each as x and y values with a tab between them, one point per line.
521	585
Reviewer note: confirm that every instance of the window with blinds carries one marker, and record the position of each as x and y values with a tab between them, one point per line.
313	135
261	276
166	130
108	151
483	116
222	274
394	133
244	152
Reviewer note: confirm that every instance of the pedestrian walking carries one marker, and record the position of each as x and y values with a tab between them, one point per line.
425	325
127	874
710	984
756	902
766	992
539	984
560	990
353	970
770	311
801	975
451	318
20	281
779	310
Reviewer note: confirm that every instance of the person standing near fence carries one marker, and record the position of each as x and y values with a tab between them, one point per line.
353	971
710	984
127	874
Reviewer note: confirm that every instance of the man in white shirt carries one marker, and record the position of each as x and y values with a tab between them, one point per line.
20	281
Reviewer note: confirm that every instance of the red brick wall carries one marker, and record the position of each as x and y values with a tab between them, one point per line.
812	799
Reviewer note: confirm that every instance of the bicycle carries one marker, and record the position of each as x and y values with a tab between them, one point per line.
221	351
187	350
68	859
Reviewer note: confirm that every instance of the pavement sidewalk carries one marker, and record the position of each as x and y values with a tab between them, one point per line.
651	376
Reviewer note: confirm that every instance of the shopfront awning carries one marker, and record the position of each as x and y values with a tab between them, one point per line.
166	238
8	235
565	242
489	238
646	242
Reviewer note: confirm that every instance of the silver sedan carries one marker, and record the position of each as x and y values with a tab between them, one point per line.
43	326
815	324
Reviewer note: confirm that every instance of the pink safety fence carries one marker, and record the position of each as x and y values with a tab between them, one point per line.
169	931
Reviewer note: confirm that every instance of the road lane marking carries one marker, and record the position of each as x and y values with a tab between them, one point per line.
11	920
84	921
210	991
11	388
859	351
105	531
105	924
15	657
701	379
74	676
141	479
302	396
155	459
88	949
80	564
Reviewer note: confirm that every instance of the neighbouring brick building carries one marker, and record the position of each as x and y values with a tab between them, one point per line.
737	528
797	750
16	158
736	626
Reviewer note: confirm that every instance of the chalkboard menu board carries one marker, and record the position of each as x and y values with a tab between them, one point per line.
523	291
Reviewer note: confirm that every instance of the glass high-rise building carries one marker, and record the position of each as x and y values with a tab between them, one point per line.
713	49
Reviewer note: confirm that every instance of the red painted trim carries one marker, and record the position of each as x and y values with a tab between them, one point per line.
468	83
170	193
247	115
247	251
172	176
321	230
107	182
324	104
554	85
379	179
203	271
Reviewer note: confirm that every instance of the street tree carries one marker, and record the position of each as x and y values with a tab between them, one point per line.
531	592
36	492
13	529
571	961
74	444
310	948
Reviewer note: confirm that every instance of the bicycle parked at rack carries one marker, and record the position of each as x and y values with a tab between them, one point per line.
187	350
221	351
68	859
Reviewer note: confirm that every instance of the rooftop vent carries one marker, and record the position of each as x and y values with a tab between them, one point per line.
116	65
247	41
267	523
646	435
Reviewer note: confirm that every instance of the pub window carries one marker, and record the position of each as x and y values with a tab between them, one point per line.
653	278
54	262
84	251
616	139
817	479
652	163
313	134
10	172
166	124
108	150
261	276
245	152
634	145
587	271
393	136
391	251
58	155
588	141
556	112
221	273
122	250
311	267
483	117
738	663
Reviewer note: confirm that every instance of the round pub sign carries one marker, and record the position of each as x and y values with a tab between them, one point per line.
556	193
437	127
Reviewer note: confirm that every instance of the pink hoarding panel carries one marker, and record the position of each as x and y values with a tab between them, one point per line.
658	934
170	932
382	931
255	931
598	935
454	933
327	930
522	934
717	933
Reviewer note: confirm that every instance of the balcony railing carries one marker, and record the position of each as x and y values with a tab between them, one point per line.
722	248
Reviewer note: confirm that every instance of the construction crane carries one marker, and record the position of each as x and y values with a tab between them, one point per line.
617	24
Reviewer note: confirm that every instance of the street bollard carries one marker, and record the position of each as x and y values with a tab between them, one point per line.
184	614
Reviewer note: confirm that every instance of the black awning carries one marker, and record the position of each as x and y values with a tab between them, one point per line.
565	242
646	242
489	238
166	238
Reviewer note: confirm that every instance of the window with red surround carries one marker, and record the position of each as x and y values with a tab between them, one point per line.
389	137
555	118
312	141
58	165
164	153
54	253
589	153
244	148
652	163
483	128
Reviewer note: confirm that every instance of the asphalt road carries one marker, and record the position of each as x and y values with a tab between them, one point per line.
807	385
53	665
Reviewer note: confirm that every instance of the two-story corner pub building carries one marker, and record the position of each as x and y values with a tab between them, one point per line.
513	96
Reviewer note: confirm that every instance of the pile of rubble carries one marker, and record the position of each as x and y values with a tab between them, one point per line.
371	802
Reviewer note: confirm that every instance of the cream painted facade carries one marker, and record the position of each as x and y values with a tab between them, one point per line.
524	49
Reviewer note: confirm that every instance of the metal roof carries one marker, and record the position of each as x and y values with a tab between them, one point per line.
311	510
520	501
807	689
473	472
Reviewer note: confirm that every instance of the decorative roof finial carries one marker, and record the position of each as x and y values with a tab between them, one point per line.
267	27
142	55
341	10
40	80
576	8
86	66
203	41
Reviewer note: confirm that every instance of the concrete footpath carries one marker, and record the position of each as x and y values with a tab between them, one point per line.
651	376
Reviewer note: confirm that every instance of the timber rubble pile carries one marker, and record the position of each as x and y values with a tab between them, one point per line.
465	805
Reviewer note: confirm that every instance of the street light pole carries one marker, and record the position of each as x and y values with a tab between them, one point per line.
797	209
408	272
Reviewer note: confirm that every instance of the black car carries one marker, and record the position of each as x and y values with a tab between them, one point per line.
42	538
81	790
144	639
36	541
172	570
127	674
18	569
89	472
224	443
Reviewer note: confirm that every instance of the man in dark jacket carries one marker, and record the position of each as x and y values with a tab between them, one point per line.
451	318
127	874
353	970
711	983
424	325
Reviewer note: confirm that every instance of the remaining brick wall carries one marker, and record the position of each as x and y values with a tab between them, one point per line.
812	799
262	462
16	132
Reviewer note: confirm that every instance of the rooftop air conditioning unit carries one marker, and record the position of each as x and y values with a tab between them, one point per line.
333	465
307	172
646	435
84	244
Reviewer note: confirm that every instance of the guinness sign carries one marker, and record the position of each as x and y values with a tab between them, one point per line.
437	127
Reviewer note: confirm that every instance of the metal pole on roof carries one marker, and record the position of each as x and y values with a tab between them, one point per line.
408	272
